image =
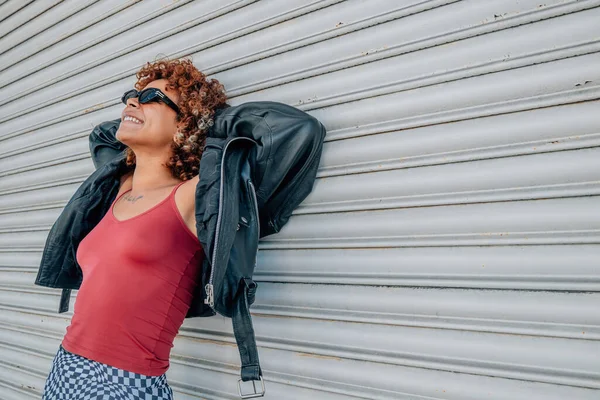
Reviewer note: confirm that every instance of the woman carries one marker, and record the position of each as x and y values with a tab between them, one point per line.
119	341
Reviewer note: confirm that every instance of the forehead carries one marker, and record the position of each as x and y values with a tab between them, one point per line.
162	85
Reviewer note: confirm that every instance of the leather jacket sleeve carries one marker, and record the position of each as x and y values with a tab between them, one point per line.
285	160
104	145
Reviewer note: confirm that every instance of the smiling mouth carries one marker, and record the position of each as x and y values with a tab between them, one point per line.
132	120
132	124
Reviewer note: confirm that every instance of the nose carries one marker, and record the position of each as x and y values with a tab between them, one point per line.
133	101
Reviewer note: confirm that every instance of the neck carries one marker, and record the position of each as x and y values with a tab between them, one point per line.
151	173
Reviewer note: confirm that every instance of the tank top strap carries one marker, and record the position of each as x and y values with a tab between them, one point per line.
172	194
176	186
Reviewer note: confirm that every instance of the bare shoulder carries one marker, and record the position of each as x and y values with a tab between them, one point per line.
189	188
185	198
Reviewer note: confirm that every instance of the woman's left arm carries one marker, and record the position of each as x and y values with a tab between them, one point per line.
104	146
286	158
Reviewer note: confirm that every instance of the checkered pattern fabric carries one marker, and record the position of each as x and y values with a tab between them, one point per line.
74	377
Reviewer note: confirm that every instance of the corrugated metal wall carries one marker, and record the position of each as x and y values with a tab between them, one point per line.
450	248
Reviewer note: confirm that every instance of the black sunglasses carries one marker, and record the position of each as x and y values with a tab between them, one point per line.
148	95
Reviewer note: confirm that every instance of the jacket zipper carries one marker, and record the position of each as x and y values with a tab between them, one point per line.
257	219
209	287
255	206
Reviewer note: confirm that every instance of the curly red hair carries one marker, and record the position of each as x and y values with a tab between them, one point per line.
199	97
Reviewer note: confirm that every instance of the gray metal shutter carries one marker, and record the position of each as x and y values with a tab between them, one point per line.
449	249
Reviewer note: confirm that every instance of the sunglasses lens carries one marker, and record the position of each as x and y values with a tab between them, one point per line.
147	95
128	95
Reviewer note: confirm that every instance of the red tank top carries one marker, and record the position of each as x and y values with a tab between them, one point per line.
139	276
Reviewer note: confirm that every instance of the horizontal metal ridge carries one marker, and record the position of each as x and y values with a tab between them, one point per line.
251	27
37	43
206	336
483	66
588	236
474	153
557	9
573	96
370	350
566	190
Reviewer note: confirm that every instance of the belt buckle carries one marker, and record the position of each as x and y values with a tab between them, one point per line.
254	394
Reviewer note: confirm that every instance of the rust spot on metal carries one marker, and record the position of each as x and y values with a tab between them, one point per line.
262	315
94	108
319	356
211	341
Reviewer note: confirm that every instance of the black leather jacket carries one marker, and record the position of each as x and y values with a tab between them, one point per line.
259	163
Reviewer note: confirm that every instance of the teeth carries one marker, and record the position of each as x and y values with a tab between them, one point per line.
132	119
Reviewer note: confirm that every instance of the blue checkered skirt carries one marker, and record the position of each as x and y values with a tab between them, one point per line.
74	377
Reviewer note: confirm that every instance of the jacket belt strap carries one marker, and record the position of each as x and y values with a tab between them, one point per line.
64	300
244	335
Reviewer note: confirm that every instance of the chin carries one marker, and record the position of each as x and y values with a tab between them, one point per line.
124	133
123	138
